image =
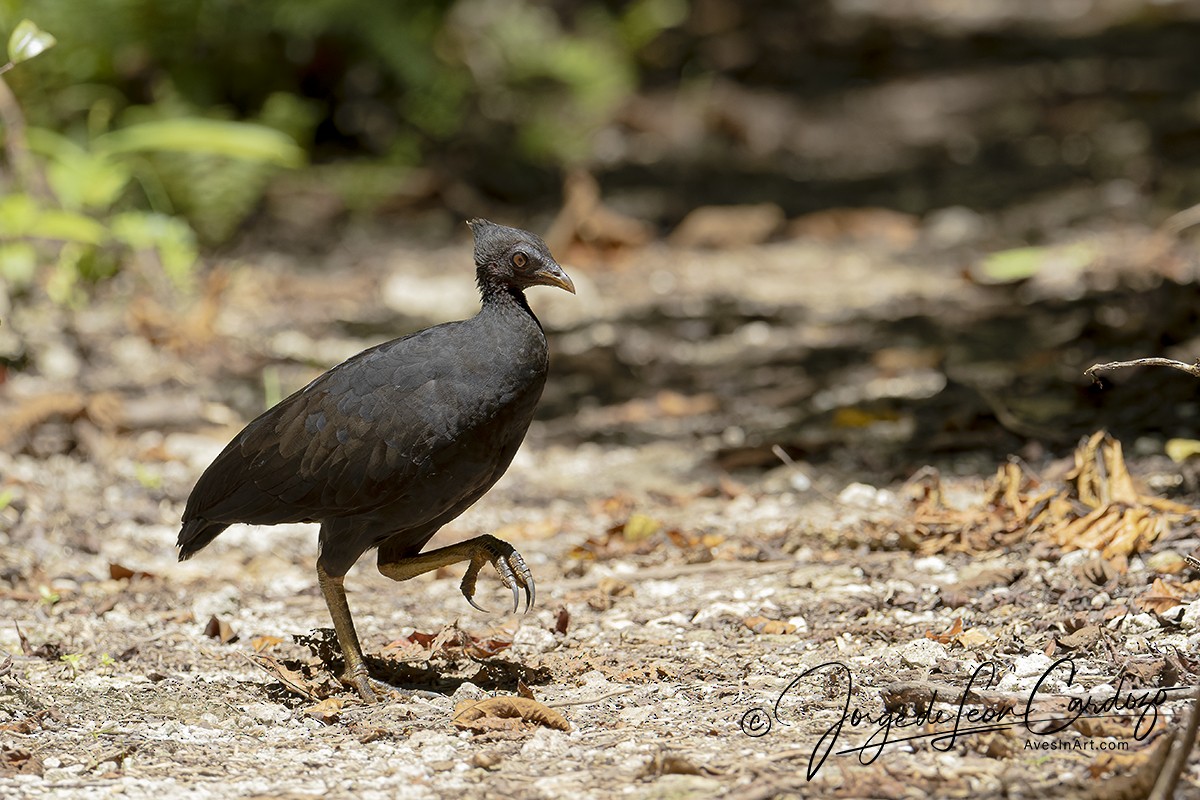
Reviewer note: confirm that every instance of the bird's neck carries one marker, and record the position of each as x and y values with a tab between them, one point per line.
503	299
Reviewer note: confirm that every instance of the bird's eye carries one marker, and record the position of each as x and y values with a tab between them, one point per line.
519	260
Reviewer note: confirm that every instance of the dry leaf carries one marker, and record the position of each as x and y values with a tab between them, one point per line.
945	638
119	572
973	637
669	765
293	681
327	710
763	625
1159	598
639	527
263	643
1083	638
220	630
494	713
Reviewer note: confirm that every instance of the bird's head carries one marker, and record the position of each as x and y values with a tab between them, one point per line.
514	257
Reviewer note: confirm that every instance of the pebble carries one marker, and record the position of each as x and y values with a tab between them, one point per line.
923	653
865	496
1191	617
533	639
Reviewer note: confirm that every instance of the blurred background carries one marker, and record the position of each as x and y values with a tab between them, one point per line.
874	234
1033	114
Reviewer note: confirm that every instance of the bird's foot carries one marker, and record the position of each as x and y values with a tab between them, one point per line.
371	690
508	562
368	688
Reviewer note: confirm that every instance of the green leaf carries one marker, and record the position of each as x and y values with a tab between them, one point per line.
28	40
18	212
80	179
172	239
1014	265
208	136
18	266
21	218
1019	263
67	226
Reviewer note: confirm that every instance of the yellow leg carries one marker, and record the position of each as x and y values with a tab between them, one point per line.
356	674
481	550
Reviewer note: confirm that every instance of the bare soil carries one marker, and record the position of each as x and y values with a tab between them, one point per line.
705	517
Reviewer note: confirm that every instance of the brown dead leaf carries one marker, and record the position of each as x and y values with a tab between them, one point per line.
883	225
19	761
326	712
762	625
220	630
587	228
51	651
973	637
1117	727
1100	475
189	331
451	642
291	680
1082	639
669	764
119	572
261	644
1102	570
562	620
494	713
728	226
1159	598
945	638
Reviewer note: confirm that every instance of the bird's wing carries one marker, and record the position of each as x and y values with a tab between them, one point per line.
346	443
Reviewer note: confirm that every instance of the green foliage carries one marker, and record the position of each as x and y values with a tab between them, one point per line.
401	79
76	198
27	41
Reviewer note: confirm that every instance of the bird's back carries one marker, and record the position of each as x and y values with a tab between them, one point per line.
402	433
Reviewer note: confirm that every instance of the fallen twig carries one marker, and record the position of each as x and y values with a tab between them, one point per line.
1190	369
591	700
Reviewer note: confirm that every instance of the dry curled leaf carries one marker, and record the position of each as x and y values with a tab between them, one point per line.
494	713
326	711
968	638
220	630
945	638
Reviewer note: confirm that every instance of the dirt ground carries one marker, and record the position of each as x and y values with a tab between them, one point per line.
714	501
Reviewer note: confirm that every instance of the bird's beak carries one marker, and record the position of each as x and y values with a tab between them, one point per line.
553	275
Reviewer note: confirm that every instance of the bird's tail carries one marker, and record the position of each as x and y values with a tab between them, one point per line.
197	532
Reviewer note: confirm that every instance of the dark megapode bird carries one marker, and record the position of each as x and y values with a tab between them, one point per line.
387	447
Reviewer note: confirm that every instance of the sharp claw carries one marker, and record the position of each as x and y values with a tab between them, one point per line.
516	597
530	595
475	605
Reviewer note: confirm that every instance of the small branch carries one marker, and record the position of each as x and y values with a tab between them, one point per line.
601	698
1190	369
